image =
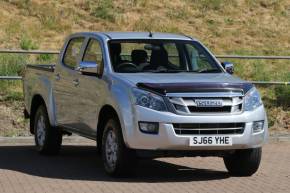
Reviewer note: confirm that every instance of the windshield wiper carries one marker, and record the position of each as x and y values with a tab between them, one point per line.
183	71
172	71
168	71
208	70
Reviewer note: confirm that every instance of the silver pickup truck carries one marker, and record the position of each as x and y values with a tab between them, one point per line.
143	94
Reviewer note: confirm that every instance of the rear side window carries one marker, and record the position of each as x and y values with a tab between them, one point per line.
72	52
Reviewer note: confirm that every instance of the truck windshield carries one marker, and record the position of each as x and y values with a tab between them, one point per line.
161	56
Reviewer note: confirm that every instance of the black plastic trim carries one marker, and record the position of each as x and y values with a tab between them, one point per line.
163	88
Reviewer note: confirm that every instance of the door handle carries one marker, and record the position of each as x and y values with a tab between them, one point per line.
57	77
76	82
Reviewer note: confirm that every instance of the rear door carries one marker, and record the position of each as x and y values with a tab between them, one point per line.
66	83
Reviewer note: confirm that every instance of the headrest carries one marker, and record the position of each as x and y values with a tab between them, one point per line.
139	56
115	48
159	58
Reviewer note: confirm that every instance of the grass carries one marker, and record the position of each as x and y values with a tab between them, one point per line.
28	44
104	9
223	25
215	5
243	27
46	58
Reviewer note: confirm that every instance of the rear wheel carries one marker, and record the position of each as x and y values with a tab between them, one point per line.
243	162
118	160
48	139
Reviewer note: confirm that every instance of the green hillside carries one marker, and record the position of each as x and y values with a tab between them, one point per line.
246	27
226	26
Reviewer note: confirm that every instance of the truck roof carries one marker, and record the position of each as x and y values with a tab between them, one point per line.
140	35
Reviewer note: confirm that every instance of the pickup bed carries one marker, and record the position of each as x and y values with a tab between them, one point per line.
142	94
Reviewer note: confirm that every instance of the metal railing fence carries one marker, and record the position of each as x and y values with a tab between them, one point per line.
245	57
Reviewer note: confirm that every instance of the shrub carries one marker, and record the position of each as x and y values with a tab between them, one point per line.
23	4
211	4
27	44
104	10
283	96
46	58
12	64
178	13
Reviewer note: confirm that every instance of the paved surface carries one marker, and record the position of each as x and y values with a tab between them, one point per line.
78	170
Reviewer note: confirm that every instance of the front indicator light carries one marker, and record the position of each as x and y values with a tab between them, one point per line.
149	127
258	126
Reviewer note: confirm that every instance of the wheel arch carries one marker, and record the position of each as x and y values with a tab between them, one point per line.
37	100
106	112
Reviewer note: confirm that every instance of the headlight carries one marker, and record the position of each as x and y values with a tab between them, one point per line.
149	100
252	100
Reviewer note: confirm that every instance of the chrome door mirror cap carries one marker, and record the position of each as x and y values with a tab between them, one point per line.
229	67
89	68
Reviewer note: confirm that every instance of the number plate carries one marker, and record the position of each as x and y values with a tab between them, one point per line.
210	141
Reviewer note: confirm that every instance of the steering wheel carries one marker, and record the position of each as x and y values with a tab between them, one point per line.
127	64
141	66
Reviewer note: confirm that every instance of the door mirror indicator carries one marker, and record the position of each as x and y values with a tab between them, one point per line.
228	66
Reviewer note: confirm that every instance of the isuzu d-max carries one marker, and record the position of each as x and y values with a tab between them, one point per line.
143	94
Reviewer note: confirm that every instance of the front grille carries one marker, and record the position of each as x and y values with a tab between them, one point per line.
208	128
229	103
224	109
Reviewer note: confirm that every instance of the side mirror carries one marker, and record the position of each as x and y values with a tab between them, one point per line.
229	67
89	68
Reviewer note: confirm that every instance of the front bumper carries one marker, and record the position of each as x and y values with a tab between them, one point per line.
167	139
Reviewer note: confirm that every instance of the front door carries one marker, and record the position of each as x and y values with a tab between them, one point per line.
91	91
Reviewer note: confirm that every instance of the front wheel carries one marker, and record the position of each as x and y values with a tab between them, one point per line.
117	158
48	139
243	162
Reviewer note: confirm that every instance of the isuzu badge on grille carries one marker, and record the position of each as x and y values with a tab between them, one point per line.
208	103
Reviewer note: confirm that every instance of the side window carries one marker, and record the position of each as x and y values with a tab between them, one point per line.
93	52
193	57
72	52
173	55
198	58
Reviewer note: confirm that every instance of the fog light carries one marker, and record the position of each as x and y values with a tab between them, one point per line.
258	126
149	127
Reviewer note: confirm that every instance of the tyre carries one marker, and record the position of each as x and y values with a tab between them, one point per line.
243	162
48	139
118	160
